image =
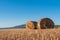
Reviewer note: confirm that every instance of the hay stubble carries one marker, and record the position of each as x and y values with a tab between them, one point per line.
23	34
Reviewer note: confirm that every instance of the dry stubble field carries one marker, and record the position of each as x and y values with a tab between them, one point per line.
23	34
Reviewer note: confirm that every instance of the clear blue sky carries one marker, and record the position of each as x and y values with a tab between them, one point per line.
17	12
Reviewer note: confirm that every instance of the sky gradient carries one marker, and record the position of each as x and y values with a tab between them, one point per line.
17	12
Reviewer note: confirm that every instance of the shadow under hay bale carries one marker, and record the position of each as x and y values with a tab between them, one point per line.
45	23
31	25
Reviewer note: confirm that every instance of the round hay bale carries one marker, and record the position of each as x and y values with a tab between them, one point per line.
45	23
31	25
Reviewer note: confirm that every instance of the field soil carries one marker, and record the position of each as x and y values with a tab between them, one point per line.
31	34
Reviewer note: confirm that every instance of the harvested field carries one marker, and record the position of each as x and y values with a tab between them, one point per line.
31	34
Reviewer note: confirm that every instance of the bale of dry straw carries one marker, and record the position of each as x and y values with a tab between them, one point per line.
31	25
45	23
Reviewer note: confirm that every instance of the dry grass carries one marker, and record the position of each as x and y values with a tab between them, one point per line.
23	34
57	28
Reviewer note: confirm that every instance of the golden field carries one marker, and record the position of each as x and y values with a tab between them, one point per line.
31	34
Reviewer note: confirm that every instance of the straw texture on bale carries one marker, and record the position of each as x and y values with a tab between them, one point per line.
45	23
31	25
